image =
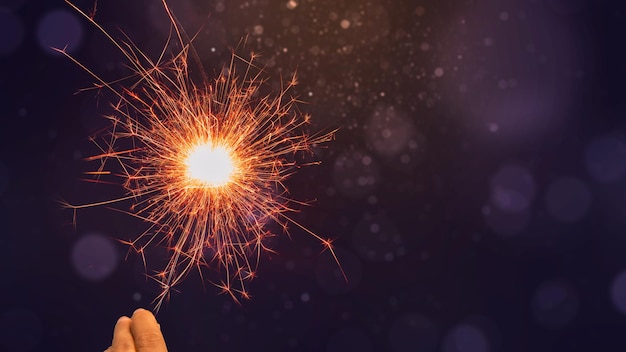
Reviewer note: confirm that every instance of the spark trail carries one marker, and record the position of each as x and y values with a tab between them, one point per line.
207	165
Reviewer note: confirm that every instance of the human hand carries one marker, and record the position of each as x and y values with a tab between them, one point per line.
140	333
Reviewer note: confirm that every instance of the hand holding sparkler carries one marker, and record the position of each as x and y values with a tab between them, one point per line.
205	163
140	333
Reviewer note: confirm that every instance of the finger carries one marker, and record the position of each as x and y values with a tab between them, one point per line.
122	338
146	332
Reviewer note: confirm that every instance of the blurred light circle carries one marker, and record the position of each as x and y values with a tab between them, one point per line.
20	330
59	29
555	304
355	173
388	131
466	338
512	188
377	238
349	339
506	223
11	32
605	158
4	177
413	332
568	199
94	257
328	272
618	292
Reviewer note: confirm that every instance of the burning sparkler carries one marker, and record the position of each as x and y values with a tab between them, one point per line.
207	162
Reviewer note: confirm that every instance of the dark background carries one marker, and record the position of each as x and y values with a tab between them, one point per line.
475	189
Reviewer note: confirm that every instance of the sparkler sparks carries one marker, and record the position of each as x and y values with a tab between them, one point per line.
207	165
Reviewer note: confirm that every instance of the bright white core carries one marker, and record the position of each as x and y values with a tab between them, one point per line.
212	165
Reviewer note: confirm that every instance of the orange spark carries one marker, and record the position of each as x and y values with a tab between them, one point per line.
207	163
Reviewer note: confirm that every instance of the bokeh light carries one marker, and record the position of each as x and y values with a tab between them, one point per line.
388	131
59	29
466	338
555	304
512	188
509	90
377	238
605	158
618	292
94	257
356	173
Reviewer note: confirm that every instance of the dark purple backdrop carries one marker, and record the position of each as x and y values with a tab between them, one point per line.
476	188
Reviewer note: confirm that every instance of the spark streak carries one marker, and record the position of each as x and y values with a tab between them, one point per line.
206	164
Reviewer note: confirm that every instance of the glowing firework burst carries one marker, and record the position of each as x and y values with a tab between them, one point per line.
207	163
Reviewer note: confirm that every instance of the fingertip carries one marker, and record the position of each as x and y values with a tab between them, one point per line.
146	332
142	312
143	316
123	323
122	337
123	319
139	311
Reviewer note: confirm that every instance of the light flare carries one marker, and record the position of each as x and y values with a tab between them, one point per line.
204	164
210	165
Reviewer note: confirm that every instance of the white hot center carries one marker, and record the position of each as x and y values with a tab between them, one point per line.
212	165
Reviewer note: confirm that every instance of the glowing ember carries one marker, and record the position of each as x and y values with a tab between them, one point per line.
212	165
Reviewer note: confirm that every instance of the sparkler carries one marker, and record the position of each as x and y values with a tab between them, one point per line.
207	165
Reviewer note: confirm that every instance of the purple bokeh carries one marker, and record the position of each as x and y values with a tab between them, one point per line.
555	304
466	338
356	173
376	238
94	257
618	292
605	158
512	188
59	29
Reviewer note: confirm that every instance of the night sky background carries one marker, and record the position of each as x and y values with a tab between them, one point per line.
476	188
